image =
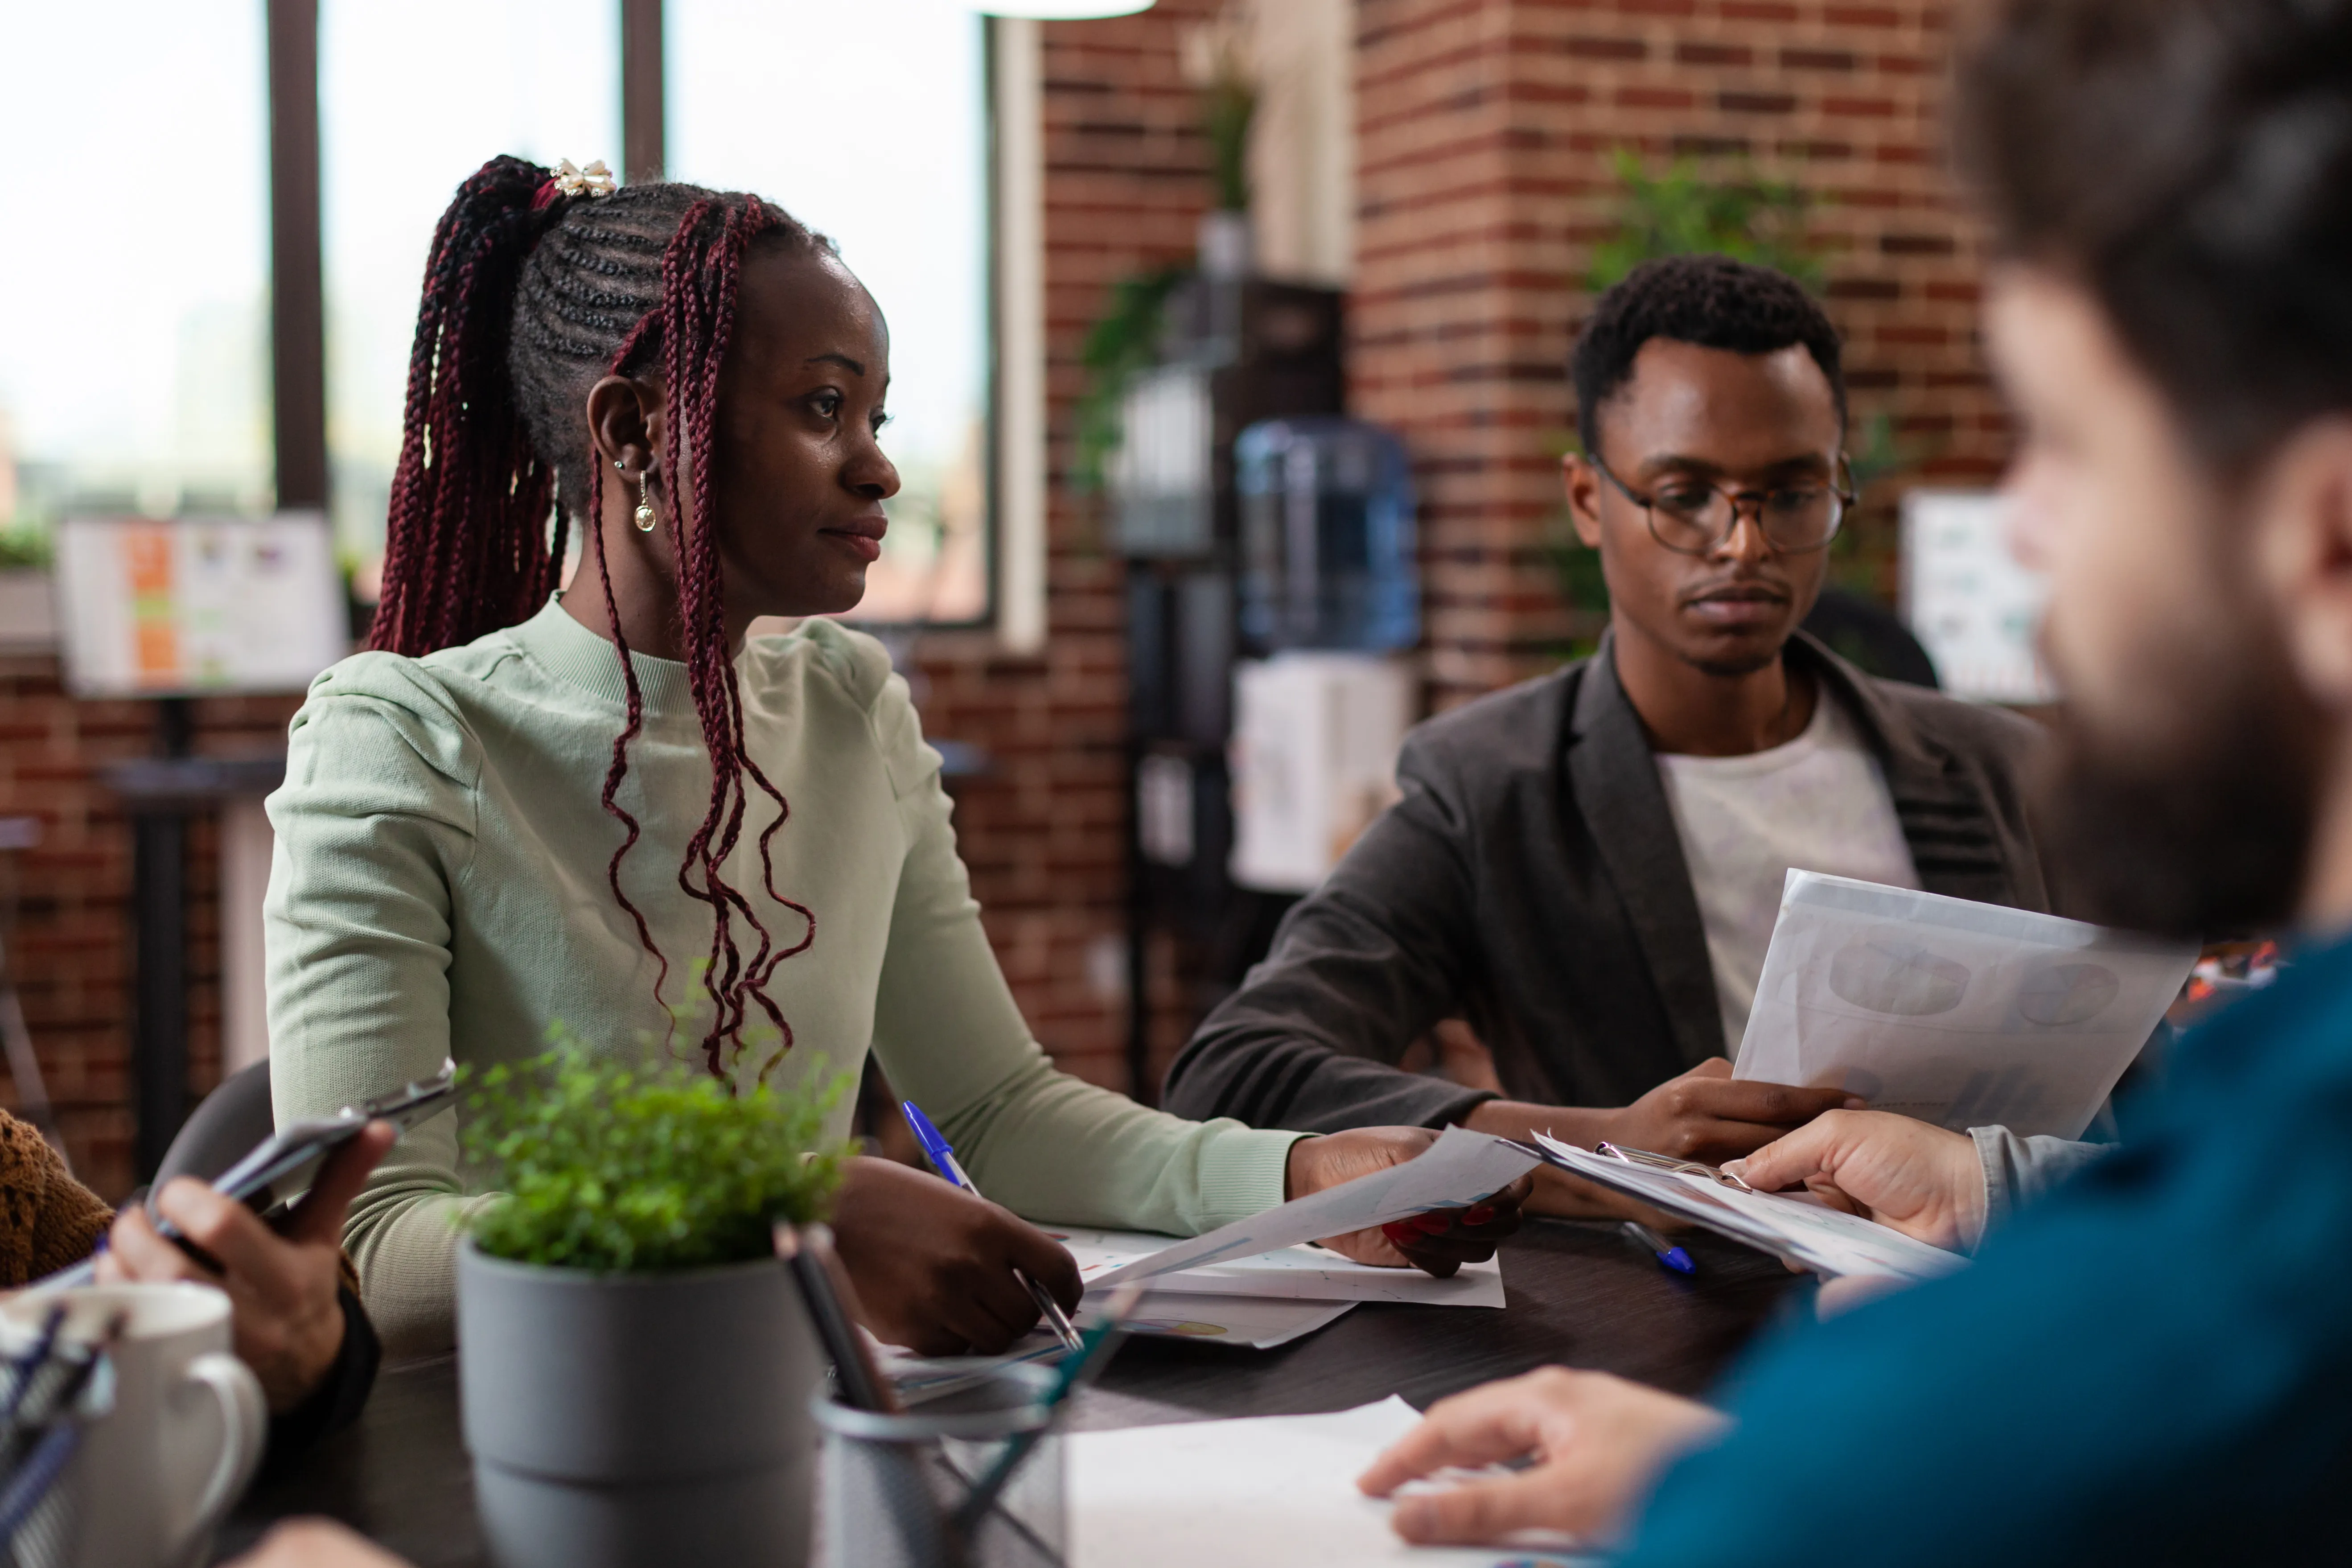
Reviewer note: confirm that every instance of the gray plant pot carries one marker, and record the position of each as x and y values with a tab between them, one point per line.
617	1420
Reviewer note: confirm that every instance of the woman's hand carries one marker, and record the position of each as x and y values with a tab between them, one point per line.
1598	1443
286	1320
1438	1243
933	1265
1921	1180
316	1544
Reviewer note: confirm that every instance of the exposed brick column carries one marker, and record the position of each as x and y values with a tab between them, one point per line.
1487	128
1126	182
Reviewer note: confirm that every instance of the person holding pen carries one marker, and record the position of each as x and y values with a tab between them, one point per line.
615	808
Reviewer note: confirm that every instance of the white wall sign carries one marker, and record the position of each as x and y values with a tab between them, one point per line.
1316	736
1968	600
198	605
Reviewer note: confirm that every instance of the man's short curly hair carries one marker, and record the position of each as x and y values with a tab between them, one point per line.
1710	300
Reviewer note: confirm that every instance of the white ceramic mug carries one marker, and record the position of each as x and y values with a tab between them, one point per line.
154	1475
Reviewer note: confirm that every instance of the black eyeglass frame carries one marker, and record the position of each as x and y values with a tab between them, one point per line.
1843	491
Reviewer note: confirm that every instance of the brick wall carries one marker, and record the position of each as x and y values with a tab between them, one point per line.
1485	134
70	946
1125	184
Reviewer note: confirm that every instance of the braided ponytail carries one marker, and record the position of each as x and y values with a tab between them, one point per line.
528	303
467	549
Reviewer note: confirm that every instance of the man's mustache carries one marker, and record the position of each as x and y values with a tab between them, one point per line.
1762	589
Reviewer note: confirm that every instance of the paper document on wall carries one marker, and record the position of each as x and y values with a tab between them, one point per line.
1460	1168
1828	1241
1270	1491
1961	1013
1300	1273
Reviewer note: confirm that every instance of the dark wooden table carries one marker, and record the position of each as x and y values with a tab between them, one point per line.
1578	1294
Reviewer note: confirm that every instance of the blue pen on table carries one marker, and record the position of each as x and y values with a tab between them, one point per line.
937	1150
1668	1255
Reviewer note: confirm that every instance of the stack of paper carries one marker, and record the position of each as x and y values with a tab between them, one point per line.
1300	1273
1277	1490
1233	1322
1826	1240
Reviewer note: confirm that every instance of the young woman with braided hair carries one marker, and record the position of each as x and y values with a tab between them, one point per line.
525	804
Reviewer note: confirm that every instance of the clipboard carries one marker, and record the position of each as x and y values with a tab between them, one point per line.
1800	1231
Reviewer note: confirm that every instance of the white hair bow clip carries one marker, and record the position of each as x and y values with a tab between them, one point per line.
595	179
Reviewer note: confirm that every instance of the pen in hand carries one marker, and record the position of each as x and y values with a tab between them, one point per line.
937	1150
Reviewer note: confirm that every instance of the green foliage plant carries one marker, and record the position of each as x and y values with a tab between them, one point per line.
23	547
1683	212
1122	344
638	1168
1220	61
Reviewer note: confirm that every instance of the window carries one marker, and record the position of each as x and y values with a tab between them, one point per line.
869	122
134	371
412	99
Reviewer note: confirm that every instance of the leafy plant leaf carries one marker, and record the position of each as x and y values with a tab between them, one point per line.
619	1167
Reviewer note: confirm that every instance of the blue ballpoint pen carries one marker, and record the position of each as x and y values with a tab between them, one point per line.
937	1150
1669	1256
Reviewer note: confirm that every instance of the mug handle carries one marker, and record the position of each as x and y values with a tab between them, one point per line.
244	1430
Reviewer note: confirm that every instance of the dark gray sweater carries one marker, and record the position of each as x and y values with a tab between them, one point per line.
1531	881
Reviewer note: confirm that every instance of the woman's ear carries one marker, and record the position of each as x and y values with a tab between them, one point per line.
627	423
2303	515
1581	481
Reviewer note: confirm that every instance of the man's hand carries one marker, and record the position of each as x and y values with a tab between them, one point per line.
933	1265
1709	1115
1438	1243
1918	1179
285	1318
1597	1441
316	1544
1705	1115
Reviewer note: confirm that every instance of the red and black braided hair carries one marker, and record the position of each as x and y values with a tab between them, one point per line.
531	297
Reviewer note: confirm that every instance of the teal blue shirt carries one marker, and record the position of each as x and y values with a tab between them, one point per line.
2149	1365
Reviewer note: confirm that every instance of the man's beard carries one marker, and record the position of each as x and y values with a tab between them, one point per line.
2206	832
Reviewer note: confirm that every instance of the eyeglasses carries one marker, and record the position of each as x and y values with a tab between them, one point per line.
1692	517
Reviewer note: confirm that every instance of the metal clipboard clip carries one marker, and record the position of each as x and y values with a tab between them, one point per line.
1666	1163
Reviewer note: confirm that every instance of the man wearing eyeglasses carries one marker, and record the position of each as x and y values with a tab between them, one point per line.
1586	867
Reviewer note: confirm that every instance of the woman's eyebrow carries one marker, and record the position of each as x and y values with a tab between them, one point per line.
843	360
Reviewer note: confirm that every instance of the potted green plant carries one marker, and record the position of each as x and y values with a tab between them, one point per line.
28	616
635	1368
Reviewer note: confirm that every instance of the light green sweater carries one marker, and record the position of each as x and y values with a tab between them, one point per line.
439	889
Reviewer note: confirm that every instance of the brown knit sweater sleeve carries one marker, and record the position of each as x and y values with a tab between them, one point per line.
48	1220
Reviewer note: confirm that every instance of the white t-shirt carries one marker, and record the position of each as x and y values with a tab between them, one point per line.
1817	804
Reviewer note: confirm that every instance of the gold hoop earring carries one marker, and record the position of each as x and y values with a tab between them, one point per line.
644	517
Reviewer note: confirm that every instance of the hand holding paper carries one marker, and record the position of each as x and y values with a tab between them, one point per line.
1961	1013
1829	1241
1923	1181
1459	1169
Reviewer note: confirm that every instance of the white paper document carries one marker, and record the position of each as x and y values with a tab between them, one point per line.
1230	1323
1826	1240
1271	1491
1235	1322
1961	1013
1305	1273
1459	1169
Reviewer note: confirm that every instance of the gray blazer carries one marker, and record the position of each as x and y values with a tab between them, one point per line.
1531	881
